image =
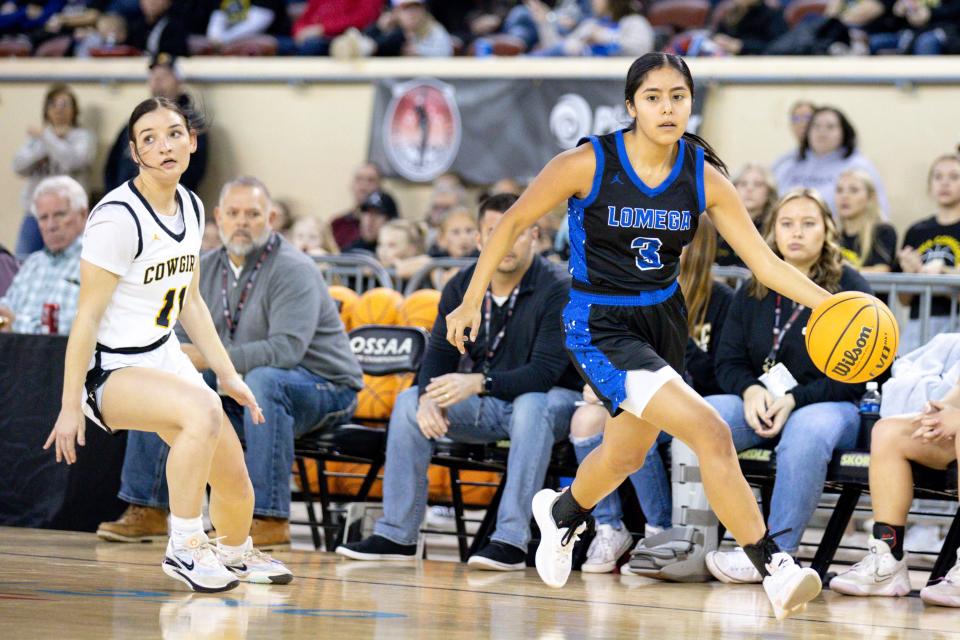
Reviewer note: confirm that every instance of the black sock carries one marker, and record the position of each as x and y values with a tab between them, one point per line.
566	510
892	535
761	552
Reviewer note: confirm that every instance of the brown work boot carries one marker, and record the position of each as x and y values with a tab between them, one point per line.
267	532
270	532
137	524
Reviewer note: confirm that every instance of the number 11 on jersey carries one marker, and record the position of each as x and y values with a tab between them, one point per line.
163	318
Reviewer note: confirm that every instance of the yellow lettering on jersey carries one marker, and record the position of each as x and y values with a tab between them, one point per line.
170	267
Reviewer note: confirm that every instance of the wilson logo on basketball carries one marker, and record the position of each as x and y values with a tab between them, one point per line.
421	129
850	357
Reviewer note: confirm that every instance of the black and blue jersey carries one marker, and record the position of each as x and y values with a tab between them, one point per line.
626	311
625	236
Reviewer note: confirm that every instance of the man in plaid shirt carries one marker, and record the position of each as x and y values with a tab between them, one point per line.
52	275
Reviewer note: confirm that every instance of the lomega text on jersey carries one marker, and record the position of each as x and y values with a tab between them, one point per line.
638	218
170	267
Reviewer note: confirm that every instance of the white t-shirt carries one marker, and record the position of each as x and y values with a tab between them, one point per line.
155	257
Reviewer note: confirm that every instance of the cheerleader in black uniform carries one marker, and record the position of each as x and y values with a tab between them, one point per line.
634	199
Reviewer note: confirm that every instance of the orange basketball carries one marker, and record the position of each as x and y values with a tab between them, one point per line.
852	337
377	306
420	309
375	400
346	300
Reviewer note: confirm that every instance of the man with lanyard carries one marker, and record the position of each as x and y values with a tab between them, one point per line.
282	330
516	384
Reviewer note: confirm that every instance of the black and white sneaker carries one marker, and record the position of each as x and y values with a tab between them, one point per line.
198	565
378	548
499	556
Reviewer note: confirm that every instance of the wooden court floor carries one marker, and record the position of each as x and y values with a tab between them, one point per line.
69	585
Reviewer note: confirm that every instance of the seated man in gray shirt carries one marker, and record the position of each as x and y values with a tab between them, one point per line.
281	328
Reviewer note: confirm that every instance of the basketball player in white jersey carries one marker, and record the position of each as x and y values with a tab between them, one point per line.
139	271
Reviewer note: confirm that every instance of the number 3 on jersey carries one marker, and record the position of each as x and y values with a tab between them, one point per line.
163	318
649	250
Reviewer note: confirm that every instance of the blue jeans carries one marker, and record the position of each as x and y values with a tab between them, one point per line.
519	22
804	448
651	484
294	403
533	422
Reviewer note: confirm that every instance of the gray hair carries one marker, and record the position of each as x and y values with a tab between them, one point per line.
244	181
64	187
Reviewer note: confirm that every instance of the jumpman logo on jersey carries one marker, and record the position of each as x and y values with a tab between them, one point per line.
156	237
616	179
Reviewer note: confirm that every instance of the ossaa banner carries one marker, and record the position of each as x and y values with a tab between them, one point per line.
486	130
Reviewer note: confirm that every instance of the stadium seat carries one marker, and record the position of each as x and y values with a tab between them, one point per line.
199	45
797	10
382	351
679	14
118	51
262	45
15	48
54	47
501	45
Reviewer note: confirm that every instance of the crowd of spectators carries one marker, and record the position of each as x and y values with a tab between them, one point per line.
438	28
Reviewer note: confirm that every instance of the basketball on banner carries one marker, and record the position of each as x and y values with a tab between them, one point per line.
421	130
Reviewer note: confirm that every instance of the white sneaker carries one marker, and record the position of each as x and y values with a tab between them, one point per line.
923	537
789	586
553	557
607	547
255	566
197	564
945	593
878	574
732	567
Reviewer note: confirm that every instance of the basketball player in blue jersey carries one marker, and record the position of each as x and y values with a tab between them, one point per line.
634	200
124	369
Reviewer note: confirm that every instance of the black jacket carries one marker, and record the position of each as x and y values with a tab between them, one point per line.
531	356
700	359
748	335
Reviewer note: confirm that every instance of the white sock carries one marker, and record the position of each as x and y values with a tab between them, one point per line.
233	554
182	529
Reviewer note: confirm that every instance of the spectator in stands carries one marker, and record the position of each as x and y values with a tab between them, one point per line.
164	81
160	26
615	29
932	246
58	147
211	235
8	269
828	149
377	210
748	27
468	20
520	387
71	18
346	227
448	194
918	27
313	236
801	112
324	20
284	218
53	274
458	235
400	246
110	32
928	437
283	333
843	29
406	30
231	22
758	192
866	242
707	303
537	24
776	394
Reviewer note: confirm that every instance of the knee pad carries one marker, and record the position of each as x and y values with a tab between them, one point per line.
678	554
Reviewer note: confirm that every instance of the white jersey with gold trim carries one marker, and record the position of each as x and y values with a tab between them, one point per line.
155	257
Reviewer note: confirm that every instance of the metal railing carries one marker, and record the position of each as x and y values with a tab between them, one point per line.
354	270
416	281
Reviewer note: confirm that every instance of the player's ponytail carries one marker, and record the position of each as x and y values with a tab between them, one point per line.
649	62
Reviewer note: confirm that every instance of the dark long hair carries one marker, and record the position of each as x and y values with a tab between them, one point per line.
652	61
849	142
193	119
696	281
